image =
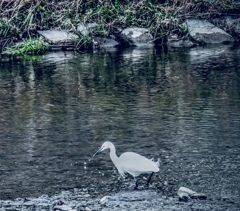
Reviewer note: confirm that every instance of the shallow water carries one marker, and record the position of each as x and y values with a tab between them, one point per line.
182	107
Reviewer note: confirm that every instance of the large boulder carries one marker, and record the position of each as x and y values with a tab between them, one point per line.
135	36
59	37
205	32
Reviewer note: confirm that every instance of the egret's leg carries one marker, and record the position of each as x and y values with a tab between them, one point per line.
149	179
136	183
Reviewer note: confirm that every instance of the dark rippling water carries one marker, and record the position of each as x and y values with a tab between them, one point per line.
182	107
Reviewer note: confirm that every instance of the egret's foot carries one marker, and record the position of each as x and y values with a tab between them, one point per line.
136	183
146	185
149	179
135	188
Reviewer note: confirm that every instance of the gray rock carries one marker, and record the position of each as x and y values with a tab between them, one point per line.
104	200
82	29
184	197
176	42
137	37
59	37
86	29
63	208
99	42
92	26
185	194
229	24
207	33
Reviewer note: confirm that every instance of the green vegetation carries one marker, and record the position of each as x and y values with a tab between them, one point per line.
29	47
21	19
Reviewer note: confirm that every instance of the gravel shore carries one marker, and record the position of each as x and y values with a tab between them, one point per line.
143	199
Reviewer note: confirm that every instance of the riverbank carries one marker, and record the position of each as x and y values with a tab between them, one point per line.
95	23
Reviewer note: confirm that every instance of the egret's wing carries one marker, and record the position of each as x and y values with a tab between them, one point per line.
136	164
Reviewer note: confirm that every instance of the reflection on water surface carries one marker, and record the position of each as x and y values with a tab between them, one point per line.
182	107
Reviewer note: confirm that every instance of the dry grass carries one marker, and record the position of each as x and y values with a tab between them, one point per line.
21	18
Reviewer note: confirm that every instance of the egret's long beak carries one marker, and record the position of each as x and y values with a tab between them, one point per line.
100	150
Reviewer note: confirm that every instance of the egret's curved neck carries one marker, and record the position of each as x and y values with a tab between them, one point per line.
113	155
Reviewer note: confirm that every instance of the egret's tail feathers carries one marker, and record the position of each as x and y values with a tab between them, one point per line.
157	162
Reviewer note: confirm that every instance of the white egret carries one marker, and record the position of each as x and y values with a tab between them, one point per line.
130	162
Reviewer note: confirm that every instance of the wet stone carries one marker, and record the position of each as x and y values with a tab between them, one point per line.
185	194
228	200
80	208
99	42
137	37
104	200
205	32
184	197
63	208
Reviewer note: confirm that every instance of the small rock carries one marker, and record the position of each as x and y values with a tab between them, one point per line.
87	209
185	194
184	197
63	208
82	29
99	42
86	29
186	190
59	202
227	200
92	26
178	42
200	196
80	208
137	37
104	200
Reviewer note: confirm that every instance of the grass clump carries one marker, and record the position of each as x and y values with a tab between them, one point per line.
22	18
29	47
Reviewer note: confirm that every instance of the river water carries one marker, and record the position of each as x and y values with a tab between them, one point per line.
181	107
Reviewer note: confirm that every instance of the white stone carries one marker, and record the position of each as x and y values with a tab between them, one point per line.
82	29
104	200
58	36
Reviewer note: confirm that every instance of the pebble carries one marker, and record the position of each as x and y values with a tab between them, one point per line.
104	200
185	194
121	200
63	208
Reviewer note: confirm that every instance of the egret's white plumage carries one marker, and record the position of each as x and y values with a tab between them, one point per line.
130	162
